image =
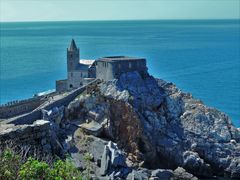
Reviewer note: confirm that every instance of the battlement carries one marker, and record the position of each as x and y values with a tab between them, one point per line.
15	108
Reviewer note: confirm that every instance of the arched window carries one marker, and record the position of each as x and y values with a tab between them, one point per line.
70	85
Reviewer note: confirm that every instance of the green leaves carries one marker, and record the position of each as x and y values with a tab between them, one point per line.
12	168
9	165
34	169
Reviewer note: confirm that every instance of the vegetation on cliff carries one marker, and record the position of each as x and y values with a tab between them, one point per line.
16	164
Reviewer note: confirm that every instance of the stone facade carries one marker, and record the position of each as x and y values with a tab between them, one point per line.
77	70
20	107
108	68
37	134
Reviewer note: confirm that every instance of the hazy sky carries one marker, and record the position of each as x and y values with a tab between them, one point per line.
62	10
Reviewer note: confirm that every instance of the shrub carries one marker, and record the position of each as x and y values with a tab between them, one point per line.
14	166
9	164
34	169
65	170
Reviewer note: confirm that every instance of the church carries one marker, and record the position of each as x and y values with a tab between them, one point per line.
83	71
79	71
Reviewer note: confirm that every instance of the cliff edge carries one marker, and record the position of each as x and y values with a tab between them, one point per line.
159	126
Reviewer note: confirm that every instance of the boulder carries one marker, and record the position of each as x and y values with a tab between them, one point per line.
112	160
182	174
165	174
105	161
195	164
92	128
137	175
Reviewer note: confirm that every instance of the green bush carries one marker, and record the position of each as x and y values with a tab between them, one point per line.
12	166
9	165
64	170
34	169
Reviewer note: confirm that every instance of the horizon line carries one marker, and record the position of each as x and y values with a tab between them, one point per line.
100	20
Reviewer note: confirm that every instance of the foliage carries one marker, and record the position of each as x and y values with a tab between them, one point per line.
65	170
9	164
13	166
34	169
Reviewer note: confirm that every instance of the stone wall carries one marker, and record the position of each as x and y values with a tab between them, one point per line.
20	107
37	113
37	134
61	85
108	70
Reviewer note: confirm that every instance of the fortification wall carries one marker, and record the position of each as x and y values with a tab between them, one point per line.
61	85
37	134
37	113
19	107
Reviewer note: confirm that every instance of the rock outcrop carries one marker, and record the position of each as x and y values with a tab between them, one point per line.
135	124
159	126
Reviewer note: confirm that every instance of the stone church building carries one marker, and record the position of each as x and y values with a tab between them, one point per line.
81	72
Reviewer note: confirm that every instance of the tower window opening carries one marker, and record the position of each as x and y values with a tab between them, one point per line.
130	65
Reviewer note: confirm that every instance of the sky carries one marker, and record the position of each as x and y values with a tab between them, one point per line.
70	10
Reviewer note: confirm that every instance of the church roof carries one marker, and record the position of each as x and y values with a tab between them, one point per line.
120	58
73	46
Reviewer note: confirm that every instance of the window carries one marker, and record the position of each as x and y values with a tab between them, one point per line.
71	55
130	65
70	85
71	74
119	66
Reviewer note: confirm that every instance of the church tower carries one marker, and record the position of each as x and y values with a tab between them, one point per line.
72	57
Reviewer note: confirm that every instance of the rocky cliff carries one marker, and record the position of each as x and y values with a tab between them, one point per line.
145	128
159	126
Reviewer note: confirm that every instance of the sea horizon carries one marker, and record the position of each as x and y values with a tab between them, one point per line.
107	20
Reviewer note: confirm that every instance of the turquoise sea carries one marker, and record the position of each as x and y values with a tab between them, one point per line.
201	56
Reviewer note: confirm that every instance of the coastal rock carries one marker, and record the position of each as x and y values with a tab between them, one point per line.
112	160
168	124
181	174
93	128
138	175
153	125
105	161
165	174
195	164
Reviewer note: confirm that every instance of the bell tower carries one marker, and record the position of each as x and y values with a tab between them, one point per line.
72	56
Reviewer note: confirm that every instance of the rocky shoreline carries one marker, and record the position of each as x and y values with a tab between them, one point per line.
145	128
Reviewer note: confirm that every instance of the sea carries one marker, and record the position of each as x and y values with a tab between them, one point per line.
199	56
